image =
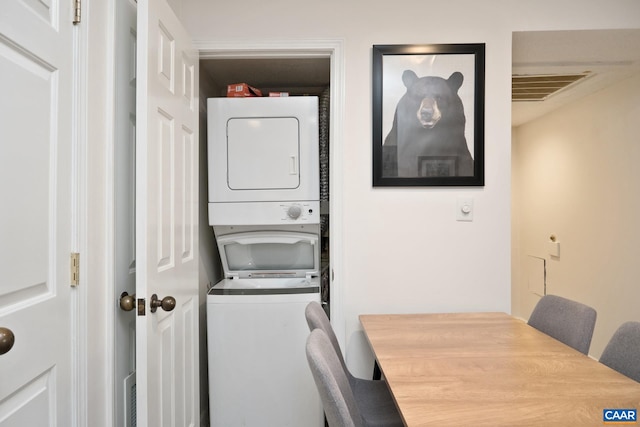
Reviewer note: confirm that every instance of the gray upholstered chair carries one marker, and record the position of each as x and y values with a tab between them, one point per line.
317	319
338	400
567	321
373	398
622	353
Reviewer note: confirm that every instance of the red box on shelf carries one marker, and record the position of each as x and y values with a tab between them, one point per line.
242	90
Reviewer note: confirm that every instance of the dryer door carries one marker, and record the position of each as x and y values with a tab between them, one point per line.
263	153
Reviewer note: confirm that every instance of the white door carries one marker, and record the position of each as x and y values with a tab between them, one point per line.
166	219
36	217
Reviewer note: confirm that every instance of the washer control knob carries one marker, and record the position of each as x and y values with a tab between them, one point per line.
294	211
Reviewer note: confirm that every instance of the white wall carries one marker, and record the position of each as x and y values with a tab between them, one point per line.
403	249
576	175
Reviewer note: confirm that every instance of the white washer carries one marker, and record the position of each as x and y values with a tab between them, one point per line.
258	372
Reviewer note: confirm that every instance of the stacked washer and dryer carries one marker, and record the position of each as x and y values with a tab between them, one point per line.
265	211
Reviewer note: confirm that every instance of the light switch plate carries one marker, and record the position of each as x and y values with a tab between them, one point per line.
554	248
464	209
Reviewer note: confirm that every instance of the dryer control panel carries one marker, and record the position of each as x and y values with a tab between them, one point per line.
250	213
299	211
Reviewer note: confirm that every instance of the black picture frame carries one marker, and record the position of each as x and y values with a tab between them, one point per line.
419	138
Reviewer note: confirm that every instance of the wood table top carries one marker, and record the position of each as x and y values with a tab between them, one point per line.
476	369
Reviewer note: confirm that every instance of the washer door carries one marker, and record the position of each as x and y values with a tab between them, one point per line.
269	254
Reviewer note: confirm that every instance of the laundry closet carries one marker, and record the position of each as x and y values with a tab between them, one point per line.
267	234
294	76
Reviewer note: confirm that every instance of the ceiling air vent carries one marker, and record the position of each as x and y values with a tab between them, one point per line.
540	87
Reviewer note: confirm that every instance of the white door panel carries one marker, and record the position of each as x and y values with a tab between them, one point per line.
35	220
166	221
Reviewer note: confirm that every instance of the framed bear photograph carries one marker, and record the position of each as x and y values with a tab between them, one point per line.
428	115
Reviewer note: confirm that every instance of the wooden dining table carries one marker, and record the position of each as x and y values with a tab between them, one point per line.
490	369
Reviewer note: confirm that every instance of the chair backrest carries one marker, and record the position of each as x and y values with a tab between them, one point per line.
317	319
622	353
338	401
567	321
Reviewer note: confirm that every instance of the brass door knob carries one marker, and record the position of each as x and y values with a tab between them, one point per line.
7	339
167	303
127	302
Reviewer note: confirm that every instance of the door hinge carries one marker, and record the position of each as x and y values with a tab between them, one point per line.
75	269
77	11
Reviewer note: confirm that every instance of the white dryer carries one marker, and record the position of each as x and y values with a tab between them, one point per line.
262	152
256	328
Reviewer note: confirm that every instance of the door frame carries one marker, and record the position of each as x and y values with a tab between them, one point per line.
96	292
318	48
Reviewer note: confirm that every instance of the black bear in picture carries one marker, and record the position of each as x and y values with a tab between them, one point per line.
427	136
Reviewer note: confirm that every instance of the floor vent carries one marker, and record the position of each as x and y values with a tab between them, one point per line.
540	87
130	415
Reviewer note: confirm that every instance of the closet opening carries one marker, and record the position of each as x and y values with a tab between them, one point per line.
287	75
